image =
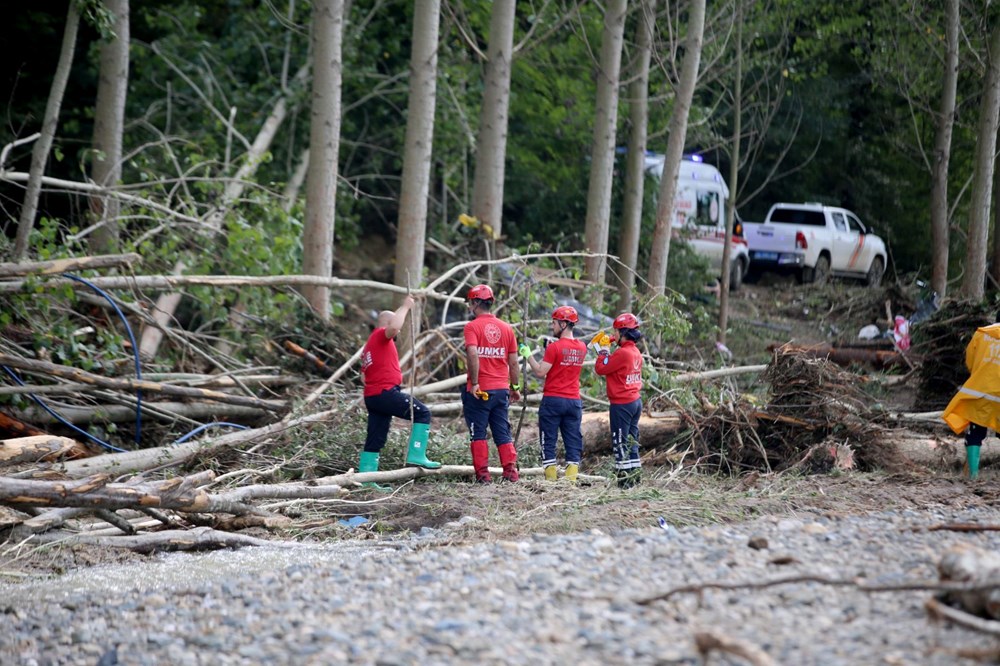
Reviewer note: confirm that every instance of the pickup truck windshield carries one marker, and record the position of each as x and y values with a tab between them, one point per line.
812	218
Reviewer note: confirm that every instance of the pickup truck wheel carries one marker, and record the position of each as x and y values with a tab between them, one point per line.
820	273
875	273
736	276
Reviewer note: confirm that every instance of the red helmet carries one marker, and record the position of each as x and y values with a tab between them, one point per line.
480	292
565	313
626	320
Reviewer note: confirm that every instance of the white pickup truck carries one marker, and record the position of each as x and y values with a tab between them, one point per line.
815	241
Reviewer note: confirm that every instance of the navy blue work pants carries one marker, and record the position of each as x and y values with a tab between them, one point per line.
492	413
561	415
381	409
625	434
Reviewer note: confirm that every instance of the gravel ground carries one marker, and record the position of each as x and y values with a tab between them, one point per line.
544	600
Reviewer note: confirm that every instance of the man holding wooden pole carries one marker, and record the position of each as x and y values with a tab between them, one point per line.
384	398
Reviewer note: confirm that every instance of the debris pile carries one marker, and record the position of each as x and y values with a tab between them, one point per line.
817	419
942	341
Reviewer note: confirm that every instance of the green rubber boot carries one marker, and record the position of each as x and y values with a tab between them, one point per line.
417	453
972	461
369	463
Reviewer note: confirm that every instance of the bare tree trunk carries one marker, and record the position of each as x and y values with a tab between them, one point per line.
979	210
602	163
291	191
660	255
635	176
40	152
419	139
491	144
942	155
324	146
166	304
734	172
995	252
109	124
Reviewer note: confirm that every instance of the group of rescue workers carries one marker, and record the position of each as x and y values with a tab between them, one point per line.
494	382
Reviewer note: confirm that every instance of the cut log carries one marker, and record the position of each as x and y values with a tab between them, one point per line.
45	521
715	374
75	374
198	538
654	431
137	461
39	448
164	411
72	264
12	427
353	478
314	361
180	494
847	357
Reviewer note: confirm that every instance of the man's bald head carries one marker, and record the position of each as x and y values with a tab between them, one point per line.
384	318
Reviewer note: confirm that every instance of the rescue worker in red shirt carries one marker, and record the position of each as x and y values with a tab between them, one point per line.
561	409
384	398
975	409
491	361
623	372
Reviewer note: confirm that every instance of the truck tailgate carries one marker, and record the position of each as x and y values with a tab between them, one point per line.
762	237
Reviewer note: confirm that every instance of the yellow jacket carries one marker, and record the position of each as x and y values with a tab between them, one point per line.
978	401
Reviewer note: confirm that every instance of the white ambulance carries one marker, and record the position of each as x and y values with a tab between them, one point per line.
700	214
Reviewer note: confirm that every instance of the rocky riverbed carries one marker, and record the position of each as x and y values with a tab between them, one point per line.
433	598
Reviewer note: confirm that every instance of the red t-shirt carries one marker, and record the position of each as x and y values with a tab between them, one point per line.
563	379
380	363
495	341
623	372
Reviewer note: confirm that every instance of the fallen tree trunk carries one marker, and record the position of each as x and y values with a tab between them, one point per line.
17	428
166	411
715	374
654	431
39	448
408	473
198	538
137	461
95	492
75	374
847	356
65	265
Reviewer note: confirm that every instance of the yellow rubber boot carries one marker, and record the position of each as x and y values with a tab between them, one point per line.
572	469
551	472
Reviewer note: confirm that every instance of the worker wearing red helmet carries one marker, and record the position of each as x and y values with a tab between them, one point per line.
623	372
493	383
561	409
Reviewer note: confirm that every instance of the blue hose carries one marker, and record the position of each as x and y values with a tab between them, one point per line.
138	374
59	418
209	425
135	348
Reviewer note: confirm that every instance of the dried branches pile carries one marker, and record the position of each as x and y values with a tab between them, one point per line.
942	341
817	418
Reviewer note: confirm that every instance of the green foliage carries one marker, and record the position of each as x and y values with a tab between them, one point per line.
97	15
852	86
